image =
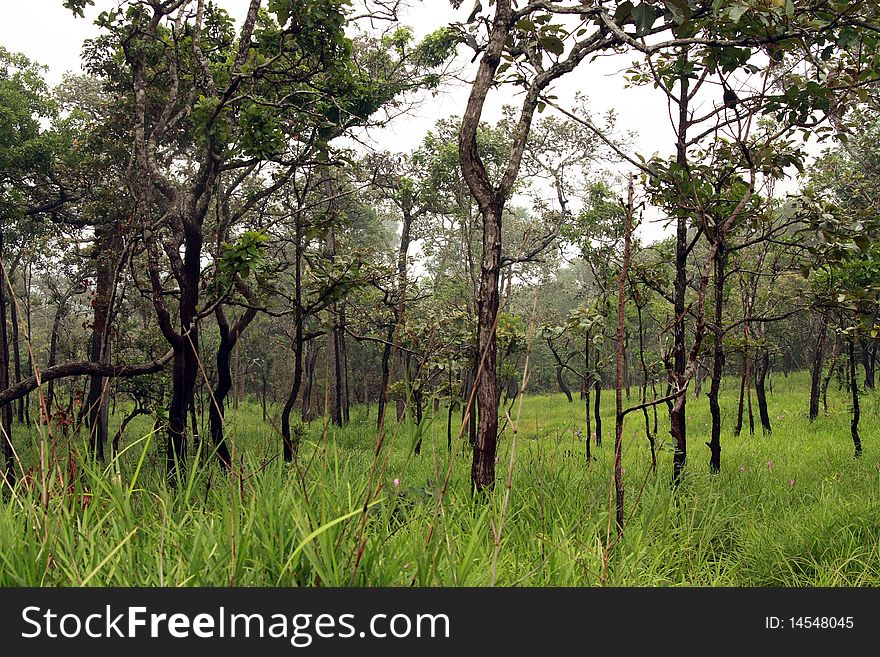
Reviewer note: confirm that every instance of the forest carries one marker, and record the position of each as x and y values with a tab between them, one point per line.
248	339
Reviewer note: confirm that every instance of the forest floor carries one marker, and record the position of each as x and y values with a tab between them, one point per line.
792	508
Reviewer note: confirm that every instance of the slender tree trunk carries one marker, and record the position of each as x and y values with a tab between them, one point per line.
29	272
597	411
678	409
854	390
16	351
619	491
311	364
816	370
762	365
386	376
587	386
714	443
289	445
562	386
107	242
835	358
60	311
483	468
6	409
749	397
343	387
228	341
644	397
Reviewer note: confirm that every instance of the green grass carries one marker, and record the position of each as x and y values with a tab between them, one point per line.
120	525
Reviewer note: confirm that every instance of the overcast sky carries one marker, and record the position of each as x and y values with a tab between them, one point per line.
50	35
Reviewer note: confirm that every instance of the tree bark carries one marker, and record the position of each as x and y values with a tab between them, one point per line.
16	352
107	242
228	340
597	402
562	386
816	370
854	391
762	365
619	490
5	405
835	359
483	467
290	447
678	409
714	443
644	397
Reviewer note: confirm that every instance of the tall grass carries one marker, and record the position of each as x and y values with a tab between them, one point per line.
791	508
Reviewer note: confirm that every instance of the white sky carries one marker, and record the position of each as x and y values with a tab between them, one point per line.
50	35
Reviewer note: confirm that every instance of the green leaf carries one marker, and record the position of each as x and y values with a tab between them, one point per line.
644	15
736	13
552	44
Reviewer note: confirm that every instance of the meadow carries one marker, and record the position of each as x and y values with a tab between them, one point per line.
788	509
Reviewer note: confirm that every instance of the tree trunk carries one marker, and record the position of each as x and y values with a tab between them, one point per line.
311	364
835	358
619	490
16	351
587	385
737	429
762	365
107	242
386	376
483	467
597	411
339	368
678	409
290	446
816	371
644	397
562	386
186	353
5	409
714	443
854	390
60	311
228	340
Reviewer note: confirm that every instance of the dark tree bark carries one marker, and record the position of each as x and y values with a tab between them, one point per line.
619	490
311	364
678	409
60	312
228	340
16	352
562	386
340	368
107	243
854	391
816	370
386	376
587	385
290	446
644	396
5	405
714	443
483	467
835	359
762	365
737	429
68	370
597	411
